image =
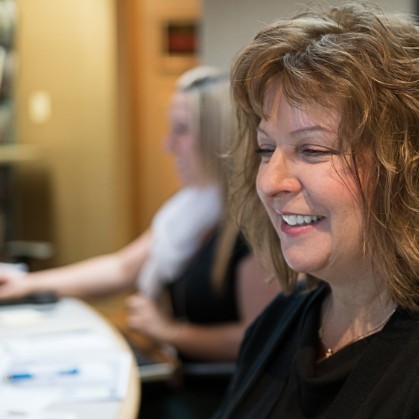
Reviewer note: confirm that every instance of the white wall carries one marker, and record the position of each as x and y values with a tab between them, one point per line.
228	25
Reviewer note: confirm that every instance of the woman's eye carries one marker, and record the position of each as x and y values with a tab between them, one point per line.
316	153
264	152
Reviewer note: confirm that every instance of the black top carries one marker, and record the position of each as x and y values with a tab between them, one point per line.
312	386
277	376
193	296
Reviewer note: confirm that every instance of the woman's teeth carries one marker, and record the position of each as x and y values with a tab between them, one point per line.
300	220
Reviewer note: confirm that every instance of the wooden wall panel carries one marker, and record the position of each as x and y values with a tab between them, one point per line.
155	173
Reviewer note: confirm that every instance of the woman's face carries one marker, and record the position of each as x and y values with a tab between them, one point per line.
307	190
182	140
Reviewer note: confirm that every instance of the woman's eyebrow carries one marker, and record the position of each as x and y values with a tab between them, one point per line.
309	130
300	131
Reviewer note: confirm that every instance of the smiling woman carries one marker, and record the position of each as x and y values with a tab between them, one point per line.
329	100
299	152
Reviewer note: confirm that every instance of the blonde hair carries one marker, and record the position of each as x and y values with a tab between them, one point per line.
365	64
215	127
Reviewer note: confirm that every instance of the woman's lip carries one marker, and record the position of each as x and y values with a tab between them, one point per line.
297	230
294	230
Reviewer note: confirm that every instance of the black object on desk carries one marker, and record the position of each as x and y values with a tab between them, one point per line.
38	299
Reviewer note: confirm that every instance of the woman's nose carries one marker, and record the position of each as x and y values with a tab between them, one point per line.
277	176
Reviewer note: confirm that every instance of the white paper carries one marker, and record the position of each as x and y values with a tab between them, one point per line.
21	318
45	341
69	341
35	401
51	415
98	378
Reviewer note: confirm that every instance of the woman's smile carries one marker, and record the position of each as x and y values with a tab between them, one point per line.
306	187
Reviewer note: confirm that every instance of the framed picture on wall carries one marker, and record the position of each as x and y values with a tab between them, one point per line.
178	44
180	38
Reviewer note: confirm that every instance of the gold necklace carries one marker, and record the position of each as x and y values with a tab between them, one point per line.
330	351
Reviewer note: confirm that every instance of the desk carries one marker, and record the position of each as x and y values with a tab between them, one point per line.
162	363
69	316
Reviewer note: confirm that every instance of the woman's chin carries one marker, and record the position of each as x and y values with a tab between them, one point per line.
303	266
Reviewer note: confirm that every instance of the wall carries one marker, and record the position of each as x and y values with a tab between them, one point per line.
76	193
155	174
233	23
102	171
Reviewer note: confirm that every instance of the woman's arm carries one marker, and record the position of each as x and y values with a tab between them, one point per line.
96	276
212	343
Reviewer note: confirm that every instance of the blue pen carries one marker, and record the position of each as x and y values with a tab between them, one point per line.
20	376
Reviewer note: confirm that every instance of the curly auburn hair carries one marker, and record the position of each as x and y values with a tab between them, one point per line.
355	59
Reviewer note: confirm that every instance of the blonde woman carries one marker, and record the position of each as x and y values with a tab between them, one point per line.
192	250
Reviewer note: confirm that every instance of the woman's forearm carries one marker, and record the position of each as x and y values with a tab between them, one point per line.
96	276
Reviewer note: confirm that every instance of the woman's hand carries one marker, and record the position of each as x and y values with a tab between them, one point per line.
13	284
144	316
